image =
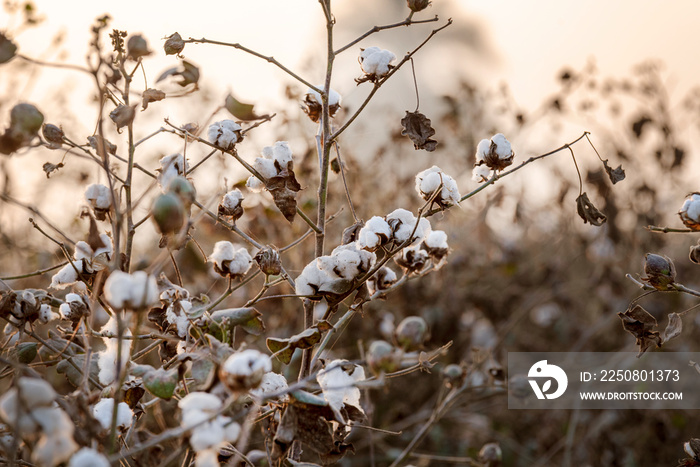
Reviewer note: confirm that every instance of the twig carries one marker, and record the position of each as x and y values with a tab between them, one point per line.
270	59
35	273
407	22
653	228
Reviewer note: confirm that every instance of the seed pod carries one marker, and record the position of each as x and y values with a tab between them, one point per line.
382	357
453	375
123	115
411	333
174	44
183	189
53	135
168	213
490	455
418	5
268	260
695	254
26	119
137	47
660	271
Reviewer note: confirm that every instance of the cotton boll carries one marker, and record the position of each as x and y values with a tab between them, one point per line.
311	279
364	53
271	383
503	149
412	259
35	392
481	173
107	359
282	153
53	450
375	233
170	167
313	103
436	239
266	167
88	457
135	291
46	315
338	383
690	212
102	411
244	370
199	401
482	150
230	260
225	134
496	153
67	275
375	61
254	184
403	223
176	315
53	420
98	196
430	180
207	458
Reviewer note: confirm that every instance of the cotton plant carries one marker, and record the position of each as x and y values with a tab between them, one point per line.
132	291
231	204
275	159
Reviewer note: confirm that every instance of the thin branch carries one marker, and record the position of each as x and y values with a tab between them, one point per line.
35	273
407	22
654	228
67	66
270	59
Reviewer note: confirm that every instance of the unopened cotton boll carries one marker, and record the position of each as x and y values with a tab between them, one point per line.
244	370
225	134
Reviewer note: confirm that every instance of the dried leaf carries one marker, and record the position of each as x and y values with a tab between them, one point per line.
588	212
615	175
123	115
673	328
418	127
283	187
642	325
240	110
189	74
49	168
93	239
247	318
284	348
151	95
96	142
133	392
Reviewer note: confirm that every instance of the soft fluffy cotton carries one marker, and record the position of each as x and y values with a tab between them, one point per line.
98	196
430	180
103	410
376	61
339	384
135	291
170	167
230	260
107	359
225	133
375	233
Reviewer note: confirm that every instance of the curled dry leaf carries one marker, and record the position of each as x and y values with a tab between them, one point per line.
615	175
8	49
240	110
151	95
284	348
673	328
418	127
588	212
642	325
189	74
174	44
49	168
284	187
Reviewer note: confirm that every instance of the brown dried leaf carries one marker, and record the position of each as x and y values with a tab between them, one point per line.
151	95
418	127
49	168
96	142
642	325
615	175
588	212
240	110
673	328
189	74
283	187
93	239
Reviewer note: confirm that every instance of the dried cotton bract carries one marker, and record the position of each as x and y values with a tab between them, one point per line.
230	260
375	63
134	291
690	212
313	103
496	153
225	134
429	180
231	204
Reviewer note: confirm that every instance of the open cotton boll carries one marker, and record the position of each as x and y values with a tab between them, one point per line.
376	61
482	150
282	153
46	315
244	370
271	383
102	411
52	450
266	167
436	239
98	196
375	233
134	291
313	103
230	260
53	420
348	261
232	200
690	212
403	223
311	280
67	275
176	314
107	359
207	458
503	149
35	392
430	180
254	184
481	173
496	153
199	401
225	133
338	383
170	167
88	457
